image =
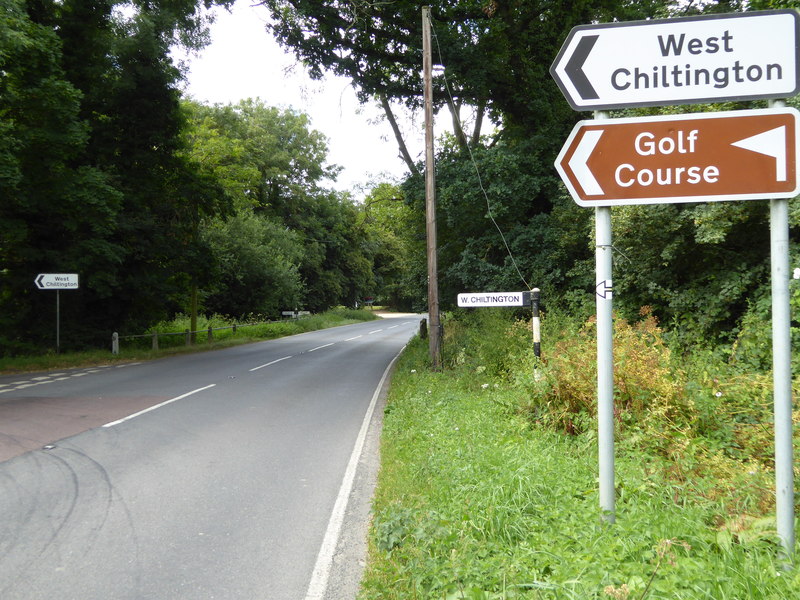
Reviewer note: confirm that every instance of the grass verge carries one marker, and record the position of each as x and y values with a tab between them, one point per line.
136	350
482	497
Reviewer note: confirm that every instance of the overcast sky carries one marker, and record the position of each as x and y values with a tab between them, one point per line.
244	61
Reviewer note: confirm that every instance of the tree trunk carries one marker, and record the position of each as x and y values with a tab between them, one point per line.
457	129
476	132
398	136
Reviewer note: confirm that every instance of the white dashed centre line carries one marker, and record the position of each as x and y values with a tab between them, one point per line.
271	363
157	406
321	347
353	338
376	331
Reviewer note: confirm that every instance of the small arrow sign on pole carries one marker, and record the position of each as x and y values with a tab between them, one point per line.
605	289
57	281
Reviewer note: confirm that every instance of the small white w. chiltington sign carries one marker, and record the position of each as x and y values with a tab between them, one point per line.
494	299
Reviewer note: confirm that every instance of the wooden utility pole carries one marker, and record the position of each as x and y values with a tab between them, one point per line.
435	330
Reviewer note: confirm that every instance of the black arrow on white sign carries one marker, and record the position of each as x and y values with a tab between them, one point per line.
574	68
689	60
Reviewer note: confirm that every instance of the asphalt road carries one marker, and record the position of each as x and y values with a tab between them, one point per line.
220	475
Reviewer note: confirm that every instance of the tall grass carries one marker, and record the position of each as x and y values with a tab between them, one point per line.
488	481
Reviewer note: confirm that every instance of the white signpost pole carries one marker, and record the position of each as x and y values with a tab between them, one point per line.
605	356
782	369
58	321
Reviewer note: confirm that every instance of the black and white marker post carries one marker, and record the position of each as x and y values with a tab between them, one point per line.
535	323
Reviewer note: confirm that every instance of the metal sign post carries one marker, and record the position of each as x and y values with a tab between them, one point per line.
58	321
605	356
782	370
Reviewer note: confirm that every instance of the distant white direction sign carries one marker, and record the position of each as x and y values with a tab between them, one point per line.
57	281
494	299
734	56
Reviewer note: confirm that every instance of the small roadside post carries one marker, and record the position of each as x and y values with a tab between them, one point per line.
57	282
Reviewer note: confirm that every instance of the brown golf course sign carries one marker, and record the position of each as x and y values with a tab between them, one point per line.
699	157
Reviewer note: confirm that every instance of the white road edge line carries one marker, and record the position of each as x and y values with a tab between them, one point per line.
318	585
147	410
271	363
321	347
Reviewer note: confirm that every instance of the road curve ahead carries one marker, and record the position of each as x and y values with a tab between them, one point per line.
212	476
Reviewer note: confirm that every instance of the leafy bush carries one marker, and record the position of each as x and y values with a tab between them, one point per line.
561	392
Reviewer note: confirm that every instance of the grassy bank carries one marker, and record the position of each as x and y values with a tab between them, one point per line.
141	349
488	483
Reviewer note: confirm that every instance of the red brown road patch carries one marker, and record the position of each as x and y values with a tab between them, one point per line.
29	423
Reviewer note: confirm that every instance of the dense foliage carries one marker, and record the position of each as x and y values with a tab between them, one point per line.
161	205
94	181
166	205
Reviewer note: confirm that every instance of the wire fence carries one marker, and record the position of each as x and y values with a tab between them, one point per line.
190	337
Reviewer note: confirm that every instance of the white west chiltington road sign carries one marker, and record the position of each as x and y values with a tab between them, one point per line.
57	281
494	299
680	61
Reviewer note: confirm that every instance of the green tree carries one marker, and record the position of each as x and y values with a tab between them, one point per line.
285	156
275	164
337	263
58	213
496	54
256	261
398	247
93	164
